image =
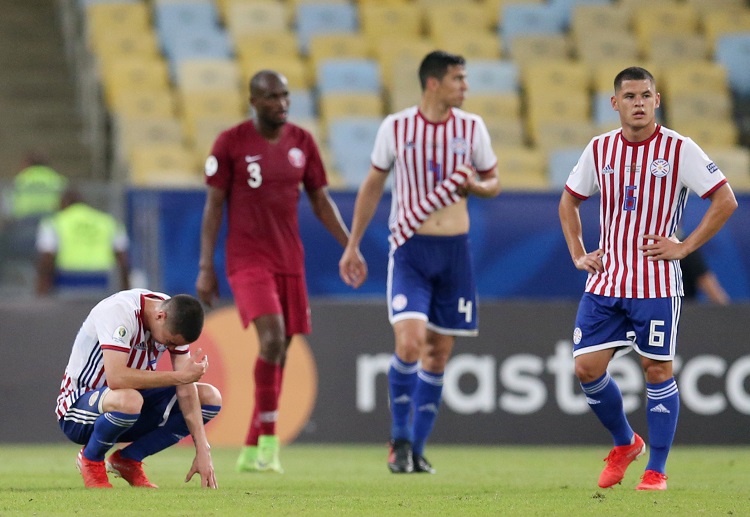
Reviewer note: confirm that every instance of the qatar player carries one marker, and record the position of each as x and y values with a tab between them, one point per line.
255	169
632	299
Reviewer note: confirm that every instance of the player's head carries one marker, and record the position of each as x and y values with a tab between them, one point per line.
636	98
269	97
184	317
633	73
436	65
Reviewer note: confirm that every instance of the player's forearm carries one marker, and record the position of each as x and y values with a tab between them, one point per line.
365	205
327	212
570	221
209	235
187	398
723	205
131	378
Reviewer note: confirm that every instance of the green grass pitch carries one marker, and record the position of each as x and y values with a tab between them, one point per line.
323	480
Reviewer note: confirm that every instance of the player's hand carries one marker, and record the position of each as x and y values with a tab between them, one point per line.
591	262
203	466
352	267
662	248
195	368
207	286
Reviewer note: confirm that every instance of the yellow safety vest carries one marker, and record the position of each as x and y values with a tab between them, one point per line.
85	238
36	191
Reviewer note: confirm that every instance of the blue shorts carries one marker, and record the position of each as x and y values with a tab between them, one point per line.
431	278
158	405
649	325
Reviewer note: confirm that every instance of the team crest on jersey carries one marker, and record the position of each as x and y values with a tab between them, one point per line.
296	157
659	168
120	335
577	335
712	167
212	165
399	302
459	146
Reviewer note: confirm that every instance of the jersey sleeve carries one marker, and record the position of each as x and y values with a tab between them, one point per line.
46	237
218	168
384	149
698	172
483	156
582	181
114	328
315	173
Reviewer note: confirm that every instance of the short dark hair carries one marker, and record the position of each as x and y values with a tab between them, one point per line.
633	73
436	63
184	316
259	81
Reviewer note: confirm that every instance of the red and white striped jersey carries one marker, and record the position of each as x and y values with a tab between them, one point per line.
644	189
422	154
115	323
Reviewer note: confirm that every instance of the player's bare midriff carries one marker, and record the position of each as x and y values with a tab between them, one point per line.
451	220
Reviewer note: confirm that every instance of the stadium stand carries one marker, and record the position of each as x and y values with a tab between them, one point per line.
540	71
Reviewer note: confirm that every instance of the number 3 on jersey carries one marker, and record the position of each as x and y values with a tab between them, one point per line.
255	178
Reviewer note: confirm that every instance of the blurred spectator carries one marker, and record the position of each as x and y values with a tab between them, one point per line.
37	188
698	278
79	247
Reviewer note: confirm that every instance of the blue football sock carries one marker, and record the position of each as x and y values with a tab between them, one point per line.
427	397
174	430
605	400
663	408
107	429
402	380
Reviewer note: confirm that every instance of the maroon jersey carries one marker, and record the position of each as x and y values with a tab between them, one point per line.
262	182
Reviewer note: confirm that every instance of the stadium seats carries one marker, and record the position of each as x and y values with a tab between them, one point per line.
449	18
544	78
693	76
697	106
205	130
506	133
527	19
348	76
396	54
527	48
130	132
292	67
164	165
734	162
672	48
715	134
265	45
244	18
470	45
336	45
733	52
351	141
500	106
600	47
141	103
522	168
672	18
317	18
559	164
208	74
341	105
718	22
109	46
566	8
550	135
379	22
115	17
492	76
599	17
129	75
196	105
301	104
602	113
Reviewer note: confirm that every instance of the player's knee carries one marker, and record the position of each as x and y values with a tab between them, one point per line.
587	372
209	395
657	371
127	400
